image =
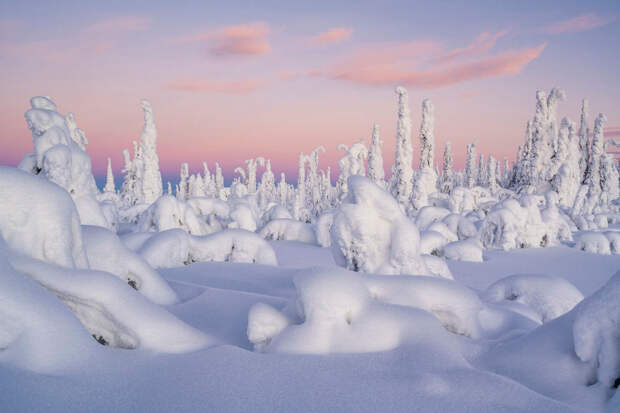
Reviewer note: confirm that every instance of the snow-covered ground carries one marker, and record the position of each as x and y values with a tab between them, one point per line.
432	370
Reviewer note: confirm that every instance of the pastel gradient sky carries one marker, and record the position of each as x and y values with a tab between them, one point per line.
233	80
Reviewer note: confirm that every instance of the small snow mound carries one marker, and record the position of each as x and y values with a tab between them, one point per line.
168	212
264	323
429	215
596	331
288	230
593	242
432	243
549	296
468	250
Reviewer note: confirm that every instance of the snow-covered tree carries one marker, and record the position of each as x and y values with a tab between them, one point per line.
482	172
376	173
427	135
594	167
401	182
447	174
609	180
109	179
567	179
352	163
77	134
151	177
584	139
470	166
183	191
300	195
283	190
313	182
219	182
492	175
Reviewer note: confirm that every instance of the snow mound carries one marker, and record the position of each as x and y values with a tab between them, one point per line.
323	227
429	215
174	248
443	229
106	252
39	218
338	311
168	212
467	250
437	267
596	332
113	312
593	242
432	243
460	226
288	230
614	241
548	296
370	233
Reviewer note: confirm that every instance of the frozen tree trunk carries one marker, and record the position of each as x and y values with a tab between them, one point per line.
376	173
151	180
402	171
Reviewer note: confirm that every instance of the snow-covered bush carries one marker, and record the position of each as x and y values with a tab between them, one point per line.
593	242
459	225
38	218
370	233
467	250
461	200
548	296
323	227
432	243
437	267
174	248
429	215
289	230
614	241
596	332
60	157
169	212
106	252
443	229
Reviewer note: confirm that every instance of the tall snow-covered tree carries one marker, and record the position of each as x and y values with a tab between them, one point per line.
183	192
427	135
609	180
492	176
219	182
77	134
109	179
313	183
401	182
482	172
300	195
151	178
594	167
447	174
470	166
283	190
376	173
127	193
352	163
584	139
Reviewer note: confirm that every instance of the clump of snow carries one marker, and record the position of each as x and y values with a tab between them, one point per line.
106	252
548	296
289	230
264	323
593	242
429	215
467	250
461	200
596	332
443	229
432	243
323	227
370	233
243	216
174	248
614	241
460	226
437	267
169	212
39	218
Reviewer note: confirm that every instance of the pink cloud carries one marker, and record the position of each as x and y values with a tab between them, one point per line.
239	40
581	23
244	86
398	72
612	131
335	35
120	23
479	46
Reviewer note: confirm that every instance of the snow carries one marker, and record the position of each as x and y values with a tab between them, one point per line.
467	250
593	242
288	229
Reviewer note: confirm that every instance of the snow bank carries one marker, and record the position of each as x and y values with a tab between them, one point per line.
596	332
594	242
38	218
548	296
467	250
114	313
370	233
174	248
289	230
106	252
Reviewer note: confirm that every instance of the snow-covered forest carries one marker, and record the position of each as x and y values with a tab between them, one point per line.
373	288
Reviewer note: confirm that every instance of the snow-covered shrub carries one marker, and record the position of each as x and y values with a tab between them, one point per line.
437	267
174	248
429	215
39	218
594	242
548	296
432	243
596	331
243	216
60	157
205	207
461	200
169	212
614	241
371	234
443	229
322	229
461	226
467	250
276	211
289	230
114	313
339	311
106	252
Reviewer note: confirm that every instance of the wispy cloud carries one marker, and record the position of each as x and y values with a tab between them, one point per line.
426	64
581	23
335	35
239	40
244	86
119	24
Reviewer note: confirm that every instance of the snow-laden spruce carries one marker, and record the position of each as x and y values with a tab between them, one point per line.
370	233
401	181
